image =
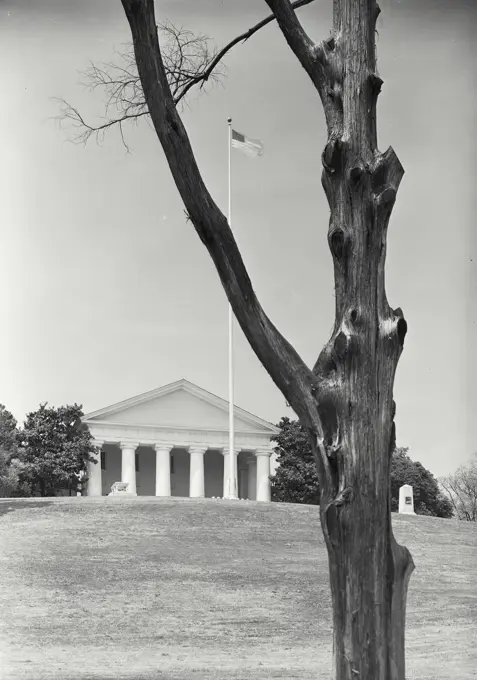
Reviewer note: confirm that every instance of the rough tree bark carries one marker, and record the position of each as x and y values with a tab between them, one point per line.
346	401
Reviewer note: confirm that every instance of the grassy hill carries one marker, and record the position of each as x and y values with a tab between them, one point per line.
148	588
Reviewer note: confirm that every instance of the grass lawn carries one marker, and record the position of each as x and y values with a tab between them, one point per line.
143	588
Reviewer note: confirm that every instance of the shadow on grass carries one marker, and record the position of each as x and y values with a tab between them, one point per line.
152	675
10	504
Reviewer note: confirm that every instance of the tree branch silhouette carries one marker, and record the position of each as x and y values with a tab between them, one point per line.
189	61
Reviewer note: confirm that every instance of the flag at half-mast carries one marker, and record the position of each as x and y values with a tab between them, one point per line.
252	147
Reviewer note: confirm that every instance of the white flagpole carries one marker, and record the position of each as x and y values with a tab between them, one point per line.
232	493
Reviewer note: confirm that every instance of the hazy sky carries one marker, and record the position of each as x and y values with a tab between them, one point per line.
108	292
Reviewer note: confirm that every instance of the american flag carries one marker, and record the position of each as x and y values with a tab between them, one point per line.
252	147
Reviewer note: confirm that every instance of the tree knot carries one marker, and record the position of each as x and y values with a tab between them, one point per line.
356	174
377	12
376	83
341	345
355	317
344	344
334	92
344	497
329	43
386	195
325	365
401	325
402	330
338	241
332	156
332	448
386	171
324	52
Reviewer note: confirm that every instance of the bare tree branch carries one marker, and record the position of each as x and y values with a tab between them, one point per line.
241	38
315	58
295	35
461	488
188	59
296	381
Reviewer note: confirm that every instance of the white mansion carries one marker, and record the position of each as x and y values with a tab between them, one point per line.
173	441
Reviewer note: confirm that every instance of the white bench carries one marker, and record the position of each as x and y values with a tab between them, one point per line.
120	489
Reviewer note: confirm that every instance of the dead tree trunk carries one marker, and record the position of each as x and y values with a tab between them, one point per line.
369	572
346	402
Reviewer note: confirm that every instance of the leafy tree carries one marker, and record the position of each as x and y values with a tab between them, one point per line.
461	488
11	472
8	430
345	401
54	448
10	468
296	478
428	498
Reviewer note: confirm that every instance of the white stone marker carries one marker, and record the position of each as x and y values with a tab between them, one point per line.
406	500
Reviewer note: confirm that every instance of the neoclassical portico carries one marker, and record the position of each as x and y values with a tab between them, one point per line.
173	441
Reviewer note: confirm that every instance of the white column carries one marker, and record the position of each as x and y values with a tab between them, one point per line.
406	500
197	477
163	469
128	465
227	492
252	478
94	485
263	473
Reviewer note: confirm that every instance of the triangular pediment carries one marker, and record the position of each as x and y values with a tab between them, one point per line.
182	405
